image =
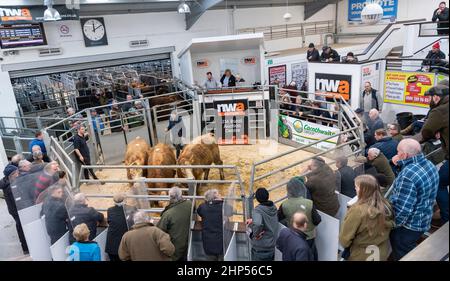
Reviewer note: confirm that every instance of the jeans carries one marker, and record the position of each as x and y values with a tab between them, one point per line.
403	241
442	194
258	255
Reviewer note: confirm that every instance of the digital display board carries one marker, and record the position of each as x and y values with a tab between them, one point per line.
22	35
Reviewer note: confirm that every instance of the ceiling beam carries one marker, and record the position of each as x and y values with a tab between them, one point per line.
311	8
198	9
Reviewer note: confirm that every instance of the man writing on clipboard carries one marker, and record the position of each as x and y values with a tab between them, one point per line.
82	151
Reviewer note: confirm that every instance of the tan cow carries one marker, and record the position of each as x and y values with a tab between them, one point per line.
203	150
161	155
136	155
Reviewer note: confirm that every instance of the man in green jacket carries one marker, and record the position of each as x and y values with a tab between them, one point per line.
175	220
381	164
436	125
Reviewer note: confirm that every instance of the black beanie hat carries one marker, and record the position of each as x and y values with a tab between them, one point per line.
262	195
311	45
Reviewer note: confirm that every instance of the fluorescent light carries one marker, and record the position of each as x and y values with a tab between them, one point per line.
184	8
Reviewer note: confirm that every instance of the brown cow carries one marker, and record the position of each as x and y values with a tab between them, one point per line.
136	155
161	155
204	150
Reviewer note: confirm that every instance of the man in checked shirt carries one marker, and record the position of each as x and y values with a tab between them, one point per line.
413	197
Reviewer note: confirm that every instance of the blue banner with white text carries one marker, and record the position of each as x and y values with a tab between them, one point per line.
355	8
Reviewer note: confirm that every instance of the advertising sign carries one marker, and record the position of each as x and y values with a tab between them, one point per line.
370	73
249	60
277	72
333	85
232	121
305	132
202	63
299	73
355	8
408	88
33	14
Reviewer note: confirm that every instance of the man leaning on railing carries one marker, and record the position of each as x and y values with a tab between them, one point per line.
441	15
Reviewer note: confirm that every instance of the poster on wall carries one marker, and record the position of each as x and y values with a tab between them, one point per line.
231	64
408	88
304	132
333	85
232	121
299	73
370	73
277	72
355	8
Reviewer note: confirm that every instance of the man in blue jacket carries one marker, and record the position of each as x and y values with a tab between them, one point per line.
292	241
385	144
39	140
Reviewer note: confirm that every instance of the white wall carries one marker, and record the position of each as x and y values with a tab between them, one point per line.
250	73
264	17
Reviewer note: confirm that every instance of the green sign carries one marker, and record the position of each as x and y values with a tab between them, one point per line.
269	62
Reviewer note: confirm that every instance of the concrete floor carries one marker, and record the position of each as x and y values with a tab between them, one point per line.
10	248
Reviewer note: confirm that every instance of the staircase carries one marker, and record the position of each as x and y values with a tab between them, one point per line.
393	61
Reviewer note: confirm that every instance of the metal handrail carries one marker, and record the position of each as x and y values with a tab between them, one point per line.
292	30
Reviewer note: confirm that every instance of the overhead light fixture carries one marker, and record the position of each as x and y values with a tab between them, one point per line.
287	16
184	8
51	14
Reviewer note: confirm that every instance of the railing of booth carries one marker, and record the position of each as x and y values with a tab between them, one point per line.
353	126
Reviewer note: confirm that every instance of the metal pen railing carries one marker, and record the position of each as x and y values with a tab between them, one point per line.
292	30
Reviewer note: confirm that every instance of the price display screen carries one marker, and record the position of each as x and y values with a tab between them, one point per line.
22	35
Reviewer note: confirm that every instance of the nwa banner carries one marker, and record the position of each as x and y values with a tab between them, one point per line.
21	14
333	85
305	132
408	88
232	121
355	8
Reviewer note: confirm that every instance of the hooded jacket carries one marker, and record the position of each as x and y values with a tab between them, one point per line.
265	227
438	122
321	183
298	200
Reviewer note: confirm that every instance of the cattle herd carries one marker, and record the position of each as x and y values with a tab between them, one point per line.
203	150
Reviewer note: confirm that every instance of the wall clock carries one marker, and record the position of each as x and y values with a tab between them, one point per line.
94	32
